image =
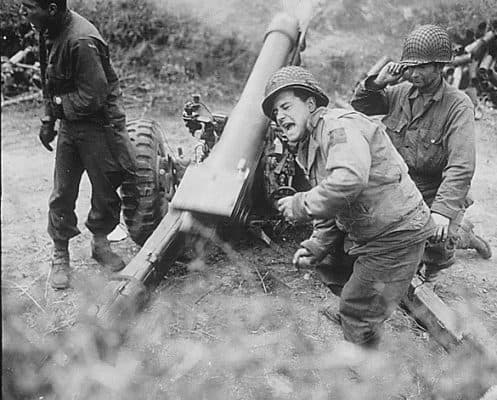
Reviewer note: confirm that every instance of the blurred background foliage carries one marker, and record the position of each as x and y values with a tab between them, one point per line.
214	43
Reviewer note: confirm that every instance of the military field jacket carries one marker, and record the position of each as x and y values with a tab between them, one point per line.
83	85
438	144
358	179
79	72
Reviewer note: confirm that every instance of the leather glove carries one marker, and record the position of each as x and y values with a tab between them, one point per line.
47	133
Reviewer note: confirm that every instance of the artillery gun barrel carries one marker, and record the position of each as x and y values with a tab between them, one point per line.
216	187
226	176
129	291
244	132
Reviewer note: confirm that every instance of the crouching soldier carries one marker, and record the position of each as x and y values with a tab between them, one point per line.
82	93
359	183
431	124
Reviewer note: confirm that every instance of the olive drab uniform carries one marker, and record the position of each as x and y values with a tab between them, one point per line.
436	138
361	184
84	93
435	134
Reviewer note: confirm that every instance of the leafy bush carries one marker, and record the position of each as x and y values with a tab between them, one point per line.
398	17
13	29
458	15
127	24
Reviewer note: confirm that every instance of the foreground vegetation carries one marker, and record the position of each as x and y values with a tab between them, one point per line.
239	343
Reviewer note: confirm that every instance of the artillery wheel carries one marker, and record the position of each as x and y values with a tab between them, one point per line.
143	196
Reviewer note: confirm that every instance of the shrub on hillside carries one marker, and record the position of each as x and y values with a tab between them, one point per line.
398	17
14	31
459	15
127	25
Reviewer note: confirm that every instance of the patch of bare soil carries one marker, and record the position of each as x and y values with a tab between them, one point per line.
238	323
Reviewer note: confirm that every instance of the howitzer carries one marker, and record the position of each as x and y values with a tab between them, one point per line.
234	159
224	179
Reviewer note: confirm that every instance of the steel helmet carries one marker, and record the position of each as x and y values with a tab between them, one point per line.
426	44
288	78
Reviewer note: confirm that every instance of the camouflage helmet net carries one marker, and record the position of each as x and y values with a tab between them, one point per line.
288	78
426	44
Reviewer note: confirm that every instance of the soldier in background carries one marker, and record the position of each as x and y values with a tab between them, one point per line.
431	124
82	94
360	183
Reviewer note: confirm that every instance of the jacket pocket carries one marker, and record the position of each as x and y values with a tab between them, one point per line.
394	126
59	82
431	157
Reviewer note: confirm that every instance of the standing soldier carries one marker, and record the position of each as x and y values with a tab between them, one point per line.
432	126
360	181
82	92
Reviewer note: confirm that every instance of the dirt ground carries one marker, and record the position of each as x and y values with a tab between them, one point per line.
242	324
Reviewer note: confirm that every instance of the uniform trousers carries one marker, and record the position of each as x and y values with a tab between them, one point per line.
82	146
372	282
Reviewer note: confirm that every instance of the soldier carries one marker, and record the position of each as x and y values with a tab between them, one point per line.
432	126
360	183
82	93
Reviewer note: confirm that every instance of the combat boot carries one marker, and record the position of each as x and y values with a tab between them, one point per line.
59	276
101	251
481	246
468	240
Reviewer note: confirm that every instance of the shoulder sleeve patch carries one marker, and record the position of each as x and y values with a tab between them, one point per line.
337	136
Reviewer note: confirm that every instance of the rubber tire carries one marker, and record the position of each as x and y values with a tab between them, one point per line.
144	204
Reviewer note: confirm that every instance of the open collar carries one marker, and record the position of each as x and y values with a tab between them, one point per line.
436	96
308	148
313	120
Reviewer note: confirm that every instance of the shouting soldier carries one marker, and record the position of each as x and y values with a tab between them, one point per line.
82	93
359	183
